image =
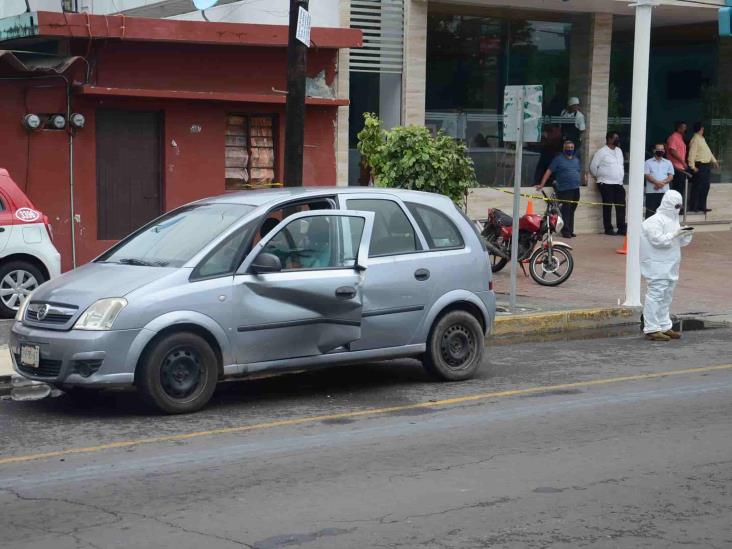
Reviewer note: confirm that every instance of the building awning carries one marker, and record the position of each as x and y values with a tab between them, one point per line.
44	25
25	63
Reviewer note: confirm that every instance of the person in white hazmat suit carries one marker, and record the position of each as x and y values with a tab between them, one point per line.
662	238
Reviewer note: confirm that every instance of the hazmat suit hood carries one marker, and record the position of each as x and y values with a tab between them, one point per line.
669	203
661	242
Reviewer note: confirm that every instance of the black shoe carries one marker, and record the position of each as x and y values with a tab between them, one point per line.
622	233
567	235
609	232
573	235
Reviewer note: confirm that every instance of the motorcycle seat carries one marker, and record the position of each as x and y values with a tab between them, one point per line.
502	218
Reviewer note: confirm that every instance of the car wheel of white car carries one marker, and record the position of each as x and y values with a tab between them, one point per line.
17	280
178	374
455	347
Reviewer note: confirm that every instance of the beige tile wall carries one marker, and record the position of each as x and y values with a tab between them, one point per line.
414	79
343	92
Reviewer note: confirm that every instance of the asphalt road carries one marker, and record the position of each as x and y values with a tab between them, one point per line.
561	444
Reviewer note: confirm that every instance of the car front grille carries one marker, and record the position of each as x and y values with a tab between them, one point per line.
50	313
46	367
52	318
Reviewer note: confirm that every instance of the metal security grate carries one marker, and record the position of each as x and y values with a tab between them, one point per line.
382	23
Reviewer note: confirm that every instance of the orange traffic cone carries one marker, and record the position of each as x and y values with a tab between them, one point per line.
530	208
624	249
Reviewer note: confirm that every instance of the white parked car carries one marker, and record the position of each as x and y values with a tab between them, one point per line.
28	257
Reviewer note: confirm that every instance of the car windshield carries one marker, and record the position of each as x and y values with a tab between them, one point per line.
172	240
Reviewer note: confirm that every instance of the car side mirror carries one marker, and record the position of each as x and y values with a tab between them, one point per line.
266	263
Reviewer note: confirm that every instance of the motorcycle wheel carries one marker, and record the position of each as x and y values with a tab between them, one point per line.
551	269
497	262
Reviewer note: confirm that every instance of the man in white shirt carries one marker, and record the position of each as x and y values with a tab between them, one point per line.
608	169
575	126
659	173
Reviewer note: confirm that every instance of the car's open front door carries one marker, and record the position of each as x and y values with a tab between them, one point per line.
298	293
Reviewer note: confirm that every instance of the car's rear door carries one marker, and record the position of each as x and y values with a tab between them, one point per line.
314	305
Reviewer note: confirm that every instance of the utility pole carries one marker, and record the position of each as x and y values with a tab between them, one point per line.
297	54
636	178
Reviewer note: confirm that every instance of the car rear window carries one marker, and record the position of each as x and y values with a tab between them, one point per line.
440	232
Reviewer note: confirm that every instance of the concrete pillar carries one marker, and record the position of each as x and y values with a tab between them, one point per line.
589	79
414	79
343	92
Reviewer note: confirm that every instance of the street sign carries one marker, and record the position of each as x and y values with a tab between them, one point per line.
522	106
533	98
303	26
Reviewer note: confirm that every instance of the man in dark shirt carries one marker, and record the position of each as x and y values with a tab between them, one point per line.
568	177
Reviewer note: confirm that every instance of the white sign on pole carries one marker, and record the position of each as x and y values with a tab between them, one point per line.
533	98
522	106
303	26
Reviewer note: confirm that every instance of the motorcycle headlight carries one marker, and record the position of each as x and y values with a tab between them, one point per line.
101	315
23	306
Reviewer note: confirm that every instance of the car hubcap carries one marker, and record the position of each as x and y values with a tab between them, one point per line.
457	346
181	373
15	287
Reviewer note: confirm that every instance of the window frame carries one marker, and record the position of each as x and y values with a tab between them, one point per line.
425	230
420	240
357	266
275	117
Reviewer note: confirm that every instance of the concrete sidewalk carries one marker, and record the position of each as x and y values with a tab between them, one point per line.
598	280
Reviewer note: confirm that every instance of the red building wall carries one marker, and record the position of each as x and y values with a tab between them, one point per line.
192	161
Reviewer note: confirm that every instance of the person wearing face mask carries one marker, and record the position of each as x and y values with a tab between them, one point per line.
662	238
608	169
568	177
659	173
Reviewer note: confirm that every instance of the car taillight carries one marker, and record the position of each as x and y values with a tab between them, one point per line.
49	229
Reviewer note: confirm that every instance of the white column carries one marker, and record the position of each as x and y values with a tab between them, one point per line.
639	114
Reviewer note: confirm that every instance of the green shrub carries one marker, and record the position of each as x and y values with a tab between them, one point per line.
409	157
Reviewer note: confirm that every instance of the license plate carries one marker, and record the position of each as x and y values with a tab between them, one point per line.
30	355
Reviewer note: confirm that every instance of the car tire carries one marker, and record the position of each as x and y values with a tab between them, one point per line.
455	347
178	374
10	272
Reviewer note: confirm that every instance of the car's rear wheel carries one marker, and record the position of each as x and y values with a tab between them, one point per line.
454	347
178	374
17	280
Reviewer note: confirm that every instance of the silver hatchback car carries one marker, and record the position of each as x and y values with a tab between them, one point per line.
264	281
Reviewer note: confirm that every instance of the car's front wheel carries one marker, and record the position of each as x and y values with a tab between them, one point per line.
17	280
178	374
455	347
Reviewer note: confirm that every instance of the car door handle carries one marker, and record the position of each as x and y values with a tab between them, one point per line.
346	292
421	274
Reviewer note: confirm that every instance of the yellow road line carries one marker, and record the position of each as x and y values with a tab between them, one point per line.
361	413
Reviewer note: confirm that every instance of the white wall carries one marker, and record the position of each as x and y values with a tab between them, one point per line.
325	13
8	8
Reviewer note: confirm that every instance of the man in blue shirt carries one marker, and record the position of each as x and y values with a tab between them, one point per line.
568	176
659	173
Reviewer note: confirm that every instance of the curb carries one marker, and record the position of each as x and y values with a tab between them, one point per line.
552	322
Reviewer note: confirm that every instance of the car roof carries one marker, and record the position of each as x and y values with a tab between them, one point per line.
263	197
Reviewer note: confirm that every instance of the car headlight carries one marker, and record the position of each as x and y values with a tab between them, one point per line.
101	315
23	306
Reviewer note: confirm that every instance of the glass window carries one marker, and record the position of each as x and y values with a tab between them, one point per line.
440	232
318	242
175	238
393	233
470	60
225	259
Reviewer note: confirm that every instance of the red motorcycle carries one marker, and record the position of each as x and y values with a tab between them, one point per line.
550	262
